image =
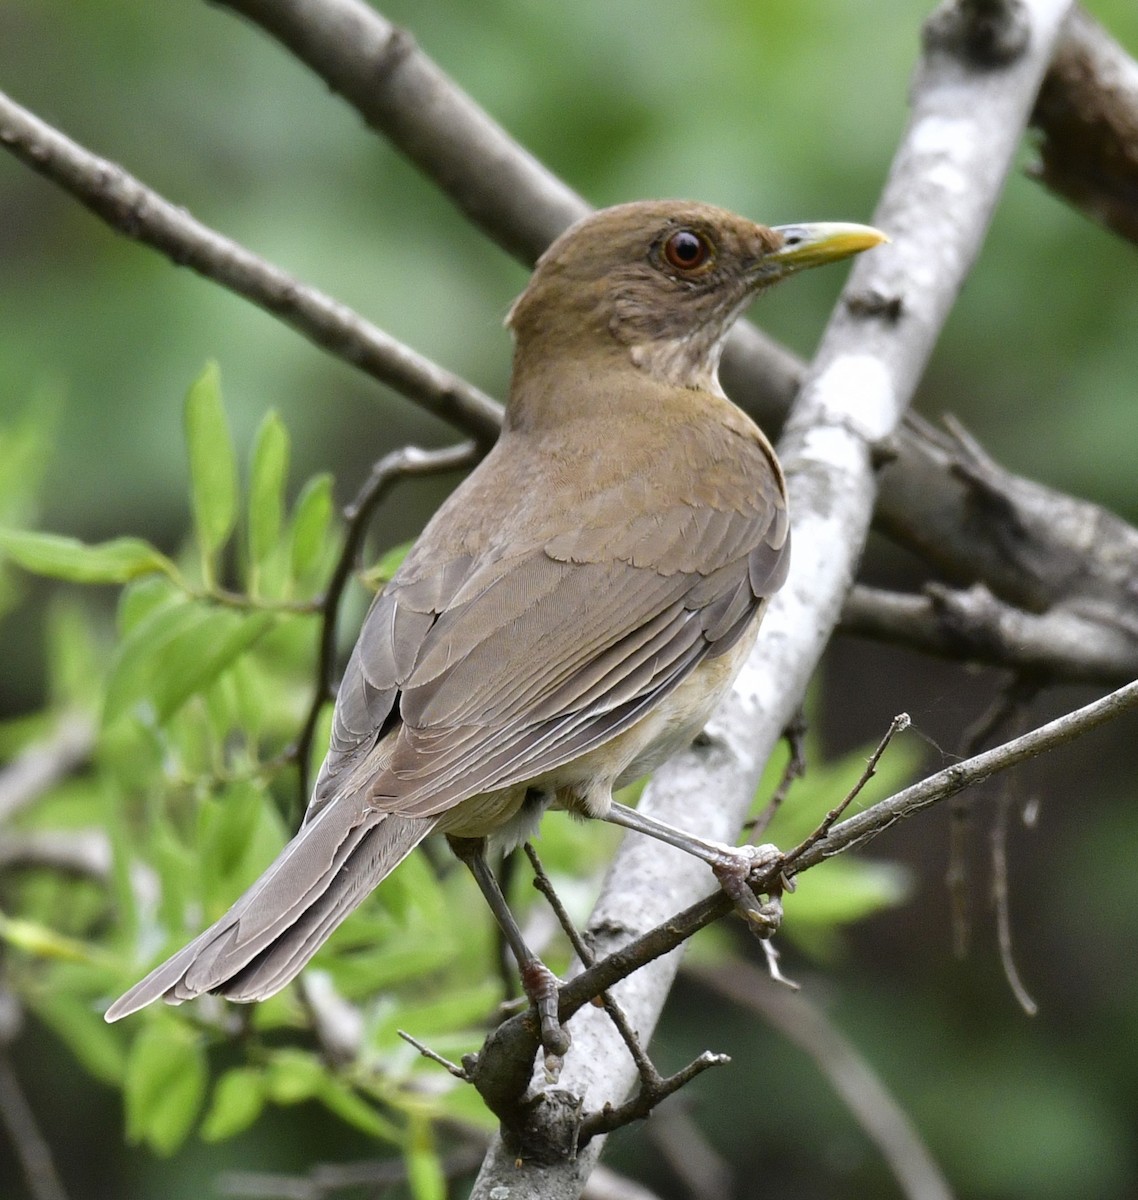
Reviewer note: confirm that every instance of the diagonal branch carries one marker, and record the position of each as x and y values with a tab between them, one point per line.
940	496
133	209
805	1025
1087	112
947	175
928	502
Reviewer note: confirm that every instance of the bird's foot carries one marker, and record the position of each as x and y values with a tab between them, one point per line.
541	986
735	867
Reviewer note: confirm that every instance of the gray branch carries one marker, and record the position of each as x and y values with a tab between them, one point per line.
853	1079
927	500
940	496
965	126
974	625
137	211
875	820
1087	112
40	766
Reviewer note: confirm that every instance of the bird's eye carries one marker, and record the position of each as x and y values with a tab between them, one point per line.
687	250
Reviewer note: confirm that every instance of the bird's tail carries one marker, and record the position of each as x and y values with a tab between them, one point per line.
268	935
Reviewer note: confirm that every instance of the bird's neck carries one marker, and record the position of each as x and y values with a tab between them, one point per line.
552	379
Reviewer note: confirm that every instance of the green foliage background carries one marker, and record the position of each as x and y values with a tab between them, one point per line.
783	111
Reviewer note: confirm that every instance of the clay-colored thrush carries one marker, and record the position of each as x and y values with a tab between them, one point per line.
570	616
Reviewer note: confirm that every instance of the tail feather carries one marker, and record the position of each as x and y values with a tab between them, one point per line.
269	934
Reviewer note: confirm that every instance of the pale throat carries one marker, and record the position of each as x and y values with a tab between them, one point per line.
689	362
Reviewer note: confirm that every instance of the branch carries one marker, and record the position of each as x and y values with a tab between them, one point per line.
941	498
859	1087
140	213
43	764
516	202
496	1070
1087	111
973	625
946	178
945	499
863	827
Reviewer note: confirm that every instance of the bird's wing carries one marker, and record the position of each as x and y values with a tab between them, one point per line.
491	669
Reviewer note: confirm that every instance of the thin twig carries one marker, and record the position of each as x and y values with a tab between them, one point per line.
649	1076
435	1057
610	1117
896	726
1001	898
1001	718
795	737
28	1142
137	211
851	1076
497	1072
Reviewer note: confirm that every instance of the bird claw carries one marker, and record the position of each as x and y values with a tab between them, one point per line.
735	870
541	986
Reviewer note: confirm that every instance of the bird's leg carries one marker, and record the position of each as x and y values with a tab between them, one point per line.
538	981
733	865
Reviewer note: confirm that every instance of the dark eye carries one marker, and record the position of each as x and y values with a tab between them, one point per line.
687	250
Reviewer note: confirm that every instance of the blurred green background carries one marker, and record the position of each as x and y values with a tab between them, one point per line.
782	111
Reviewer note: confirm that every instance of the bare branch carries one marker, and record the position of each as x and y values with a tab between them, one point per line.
943	499
28	1143
868	824
1032	546
804	1024
974	626
703	1171
925	501
40	766
138	212
899	723
1087	112
946	177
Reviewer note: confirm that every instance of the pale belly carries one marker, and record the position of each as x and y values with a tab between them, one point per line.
586	784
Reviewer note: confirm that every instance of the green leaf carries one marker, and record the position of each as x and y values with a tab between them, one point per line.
74	666
237	1102
383	571
213	468
293	1076
177	651
311	525
165	1085
353	1108
424	1171
37	939
116	561
227	828
268	470
97	1046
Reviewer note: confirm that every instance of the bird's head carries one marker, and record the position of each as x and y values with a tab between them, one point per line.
662	282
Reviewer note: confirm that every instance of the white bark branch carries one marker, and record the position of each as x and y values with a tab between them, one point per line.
946	178
137	211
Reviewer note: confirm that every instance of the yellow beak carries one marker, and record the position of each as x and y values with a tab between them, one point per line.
822	242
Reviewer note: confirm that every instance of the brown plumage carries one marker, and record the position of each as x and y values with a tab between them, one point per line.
571	614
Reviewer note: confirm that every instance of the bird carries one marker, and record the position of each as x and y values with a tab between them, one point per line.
570	616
